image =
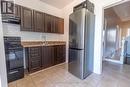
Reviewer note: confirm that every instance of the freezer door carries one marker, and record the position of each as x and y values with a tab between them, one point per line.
76	29
75	66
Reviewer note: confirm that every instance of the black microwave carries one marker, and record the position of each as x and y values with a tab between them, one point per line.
8	12
10	19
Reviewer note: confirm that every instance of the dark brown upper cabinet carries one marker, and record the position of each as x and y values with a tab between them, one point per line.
53	29
38	21
17	11
27	19
48	23
61	26
32	20
8	7
56	24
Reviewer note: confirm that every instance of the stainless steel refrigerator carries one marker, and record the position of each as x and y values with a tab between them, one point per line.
81	43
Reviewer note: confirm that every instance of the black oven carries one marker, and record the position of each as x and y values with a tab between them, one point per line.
14	58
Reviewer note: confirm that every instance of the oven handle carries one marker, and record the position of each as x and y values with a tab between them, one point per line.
13	72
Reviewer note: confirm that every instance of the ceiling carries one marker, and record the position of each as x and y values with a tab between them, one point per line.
118	13
111	16
57	3
123	11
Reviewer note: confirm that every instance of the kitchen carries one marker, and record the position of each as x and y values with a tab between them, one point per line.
64	37
23	21
38	54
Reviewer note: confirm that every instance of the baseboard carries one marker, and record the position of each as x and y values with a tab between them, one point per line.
114	61
46	68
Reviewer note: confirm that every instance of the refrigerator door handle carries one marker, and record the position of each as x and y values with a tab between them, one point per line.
75	49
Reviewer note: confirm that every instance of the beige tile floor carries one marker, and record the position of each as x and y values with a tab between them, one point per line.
114	75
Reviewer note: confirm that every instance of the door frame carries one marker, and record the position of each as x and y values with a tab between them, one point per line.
3	74
105	7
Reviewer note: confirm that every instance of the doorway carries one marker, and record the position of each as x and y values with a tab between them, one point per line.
116	33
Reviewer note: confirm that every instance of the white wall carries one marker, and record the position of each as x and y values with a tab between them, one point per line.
3	76
40	6
98	37
14	30
108	3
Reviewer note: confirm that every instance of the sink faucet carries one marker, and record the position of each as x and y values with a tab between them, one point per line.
43	37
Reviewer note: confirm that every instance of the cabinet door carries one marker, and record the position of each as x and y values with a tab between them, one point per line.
38	21
56	25
47	56
61	26
63	53
48	23
27	19
53	25
60	54
7	7
17	11
34	58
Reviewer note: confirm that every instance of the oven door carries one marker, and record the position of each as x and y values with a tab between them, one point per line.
14	58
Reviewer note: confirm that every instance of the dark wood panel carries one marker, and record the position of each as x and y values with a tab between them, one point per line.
43	18
34	58
43	57
27	19
34	21
17	11
8	7
47	56
63	53
56	24
61	26
48	23
60	52
39	21
53	29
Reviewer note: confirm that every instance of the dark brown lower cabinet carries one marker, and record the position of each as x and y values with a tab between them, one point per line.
34	58
47	56
44	56
60	54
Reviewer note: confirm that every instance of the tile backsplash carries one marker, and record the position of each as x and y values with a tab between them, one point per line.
14	30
